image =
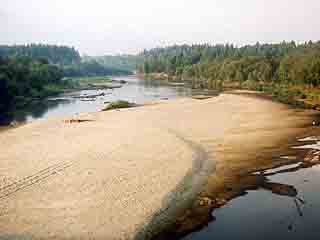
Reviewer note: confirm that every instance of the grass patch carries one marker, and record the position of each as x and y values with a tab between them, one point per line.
78	82
119	104
85	80
302	96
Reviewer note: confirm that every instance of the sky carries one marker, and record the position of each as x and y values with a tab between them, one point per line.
100	27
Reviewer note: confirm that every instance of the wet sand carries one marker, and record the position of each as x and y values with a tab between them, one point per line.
115	176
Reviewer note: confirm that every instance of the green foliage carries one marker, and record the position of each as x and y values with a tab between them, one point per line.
23	79
35	71
91	68
60	55
214	66
127	63
82	82
119	104
95	79
65	57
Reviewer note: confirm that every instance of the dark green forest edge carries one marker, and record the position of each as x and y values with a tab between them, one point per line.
289	72
36	71
123	62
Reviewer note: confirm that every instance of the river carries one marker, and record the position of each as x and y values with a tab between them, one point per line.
259	212
135	90
266	214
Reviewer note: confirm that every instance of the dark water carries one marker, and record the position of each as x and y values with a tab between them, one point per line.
258	214
135	90
266	213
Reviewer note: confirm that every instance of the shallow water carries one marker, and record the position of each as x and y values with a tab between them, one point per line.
135	90
259	214
267	213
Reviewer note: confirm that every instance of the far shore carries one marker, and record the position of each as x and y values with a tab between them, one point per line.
127	174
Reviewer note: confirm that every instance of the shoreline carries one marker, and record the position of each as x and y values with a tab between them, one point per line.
189	155
203	211
193	126
220	189
182	196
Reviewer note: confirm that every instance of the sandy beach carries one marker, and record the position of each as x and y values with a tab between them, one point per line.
116	176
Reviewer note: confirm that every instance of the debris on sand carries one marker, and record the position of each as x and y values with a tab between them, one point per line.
201	97
77	120
90	96
312	157
205	201
208	202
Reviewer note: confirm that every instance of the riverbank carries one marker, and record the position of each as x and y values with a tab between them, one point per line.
115	176
65	85
83	89
298	95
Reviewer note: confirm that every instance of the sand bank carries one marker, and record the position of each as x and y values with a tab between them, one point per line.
114	177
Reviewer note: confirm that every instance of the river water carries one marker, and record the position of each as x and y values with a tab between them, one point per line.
282	203
258	213
135	90
261	214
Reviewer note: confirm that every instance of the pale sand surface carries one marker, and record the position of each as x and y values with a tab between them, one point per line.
107	178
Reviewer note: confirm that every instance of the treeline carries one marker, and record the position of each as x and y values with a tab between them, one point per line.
91	67
34	71
59	55
65	57
127	63
213	66
23	79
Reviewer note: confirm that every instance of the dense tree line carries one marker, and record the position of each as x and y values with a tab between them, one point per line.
92	68
213	66
128	63
35	71
25	78
68	59
60	55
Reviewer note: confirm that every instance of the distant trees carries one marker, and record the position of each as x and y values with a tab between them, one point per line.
127	63
23	78
37	70
92	68
300	69
209	65
59	55
70	61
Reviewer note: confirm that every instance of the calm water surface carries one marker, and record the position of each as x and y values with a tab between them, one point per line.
135	90
260	214
264	214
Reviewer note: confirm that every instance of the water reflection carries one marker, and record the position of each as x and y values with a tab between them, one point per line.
276	203
134	90
289	211
35	110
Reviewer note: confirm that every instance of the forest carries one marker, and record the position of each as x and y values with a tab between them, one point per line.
92	68
23	79
125	62
285	70
67	58
273	67
59	55
34	71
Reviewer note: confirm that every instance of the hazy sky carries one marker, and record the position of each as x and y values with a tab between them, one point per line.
97	27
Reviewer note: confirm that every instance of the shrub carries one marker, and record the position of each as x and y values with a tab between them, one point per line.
119	104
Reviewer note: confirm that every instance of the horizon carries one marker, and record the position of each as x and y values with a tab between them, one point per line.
160	119
156	47
124	27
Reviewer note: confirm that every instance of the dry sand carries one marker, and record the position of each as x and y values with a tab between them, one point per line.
111	177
